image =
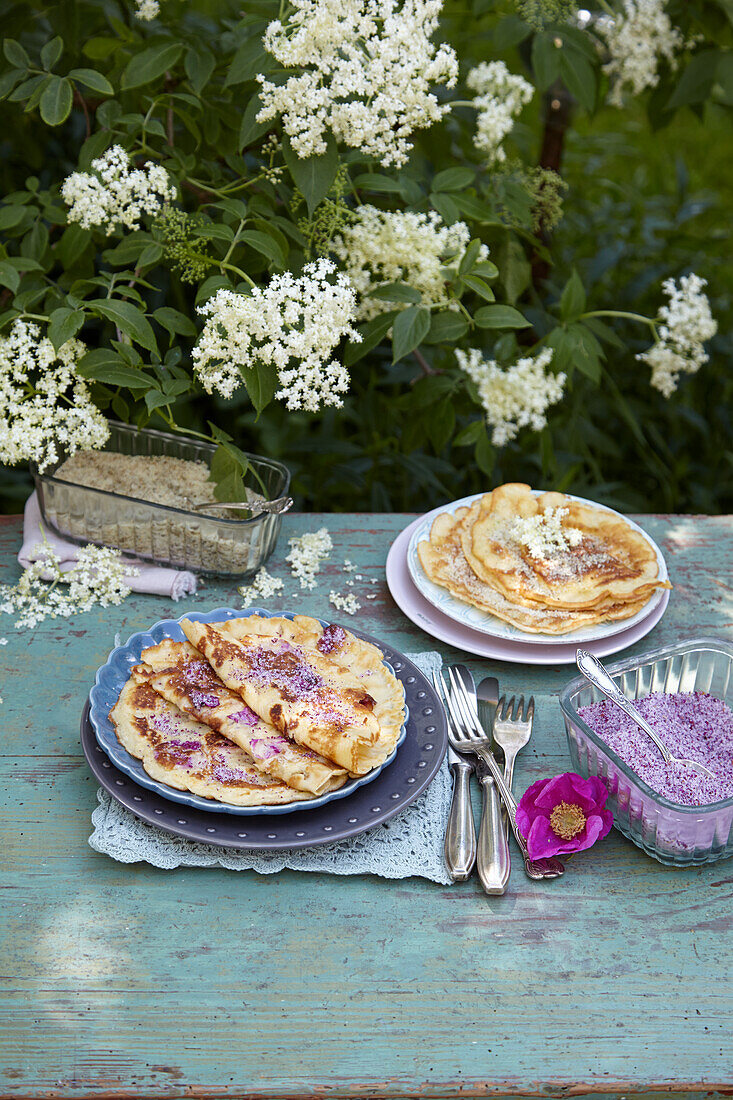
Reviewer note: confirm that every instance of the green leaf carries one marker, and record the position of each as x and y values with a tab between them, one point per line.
572	300
575	347
514	266
63	324
128	318
250	129
470	434
372	333
51	52
8	80
264	244
56	101
580	77
313	176
469	256
446	327
104	365
199	64
15	53
485	455
479	287
453	179
174	322
446	207
249	60
151	64
500	317
396	292
373	181
73	244
100	48
441	422
409	330
11	215
476	209
696	81
261	383
545	60
155	399
90	78
9	276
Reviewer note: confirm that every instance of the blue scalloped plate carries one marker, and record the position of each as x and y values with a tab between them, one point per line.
113	675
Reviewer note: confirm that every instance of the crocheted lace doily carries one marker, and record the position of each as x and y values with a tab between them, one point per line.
411	843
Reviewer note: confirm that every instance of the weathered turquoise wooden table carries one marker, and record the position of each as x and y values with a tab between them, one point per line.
126	981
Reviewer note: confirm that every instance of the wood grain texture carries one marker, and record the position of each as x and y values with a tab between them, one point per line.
127	981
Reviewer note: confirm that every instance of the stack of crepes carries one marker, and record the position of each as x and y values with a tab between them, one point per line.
544	563
259	711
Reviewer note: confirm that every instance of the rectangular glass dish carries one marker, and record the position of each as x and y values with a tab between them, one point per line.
156	532
681	836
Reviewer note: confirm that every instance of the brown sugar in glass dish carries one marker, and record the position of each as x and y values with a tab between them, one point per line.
158	530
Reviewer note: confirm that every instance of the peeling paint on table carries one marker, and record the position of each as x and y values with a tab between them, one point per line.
127	981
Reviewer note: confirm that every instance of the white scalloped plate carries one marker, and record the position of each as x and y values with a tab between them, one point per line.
468	616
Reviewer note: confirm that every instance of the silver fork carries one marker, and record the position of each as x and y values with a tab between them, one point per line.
512	731
474	740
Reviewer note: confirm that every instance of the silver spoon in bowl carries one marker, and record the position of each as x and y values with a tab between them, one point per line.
254	507
597	675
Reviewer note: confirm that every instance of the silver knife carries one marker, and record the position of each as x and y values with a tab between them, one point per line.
492	834
459	847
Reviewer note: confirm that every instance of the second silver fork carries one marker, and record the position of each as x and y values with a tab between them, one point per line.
474	740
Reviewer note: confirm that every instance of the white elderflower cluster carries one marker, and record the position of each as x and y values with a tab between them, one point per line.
117	194
263	586
97	578
684	325
147	10
307	553
543	534
364	69
637	38
384	246
500	97
348	603
294	324
45	407
514	398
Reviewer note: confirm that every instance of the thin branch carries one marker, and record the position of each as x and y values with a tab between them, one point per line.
425	367
81	101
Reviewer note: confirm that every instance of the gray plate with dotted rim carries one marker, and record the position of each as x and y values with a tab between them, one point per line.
395	787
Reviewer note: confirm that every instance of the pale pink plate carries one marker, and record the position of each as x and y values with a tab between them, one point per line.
421	612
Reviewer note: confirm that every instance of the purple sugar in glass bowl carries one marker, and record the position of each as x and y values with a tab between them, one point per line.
691	724
680	834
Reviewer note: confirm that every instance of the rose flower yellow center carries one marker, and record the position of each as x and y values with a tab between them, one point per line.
567	820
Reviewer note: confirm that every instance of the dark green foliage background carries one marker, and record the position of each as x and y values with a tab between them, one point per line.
645	200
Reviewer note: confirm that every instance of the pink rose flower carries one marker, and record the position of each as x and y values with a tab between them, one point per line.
563	814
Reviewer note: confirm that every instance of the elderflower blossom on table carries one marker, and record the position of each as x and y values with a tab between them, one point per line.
294	324
306	555
637	39
364	70
118	194
349	603
543	534
384	246
516	397
45	407
684	325
264	585
501	95
98	577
